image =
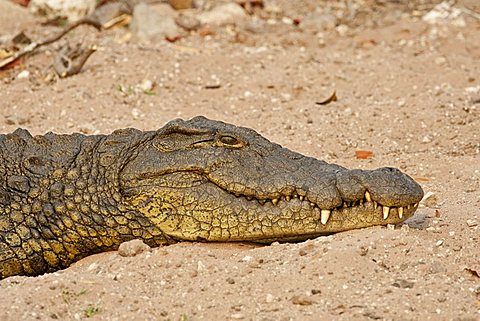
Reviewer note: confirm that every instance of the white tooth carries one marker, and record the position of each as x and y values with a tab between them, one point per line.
288	198
368	197
301	197
415	205
400	212
312	204
249	198
275	201
325	215
375	205
345	204
386	211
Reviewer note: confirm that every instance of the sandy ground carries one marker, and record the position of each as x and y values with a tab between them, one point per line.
407	90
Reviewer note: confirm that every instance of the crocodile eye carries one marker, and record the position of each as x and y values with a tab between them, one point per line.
229	140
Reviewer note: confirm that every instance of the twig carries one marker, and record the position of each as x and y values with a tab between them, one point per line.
66	66
470	12
35	45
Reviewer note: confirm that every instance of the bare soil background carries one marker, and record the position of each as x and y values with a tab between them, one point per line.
407	90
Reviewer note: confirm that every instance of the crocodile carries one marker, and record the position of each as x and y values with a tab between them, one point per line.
64	197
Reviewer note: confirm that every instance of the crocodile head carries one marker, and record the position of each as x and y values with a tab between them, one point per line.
207	180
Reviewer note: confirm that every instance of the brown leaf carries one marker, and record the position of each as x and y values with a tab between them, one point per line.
21	39
206	31
472	272
181	4
173	39
301	300
363	154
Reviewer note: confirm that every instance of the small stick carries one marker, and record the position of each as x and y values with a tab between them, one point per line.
470	12
35	45
65	66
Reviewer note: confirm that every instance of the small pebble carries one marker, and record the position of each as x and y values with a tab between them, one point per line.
92	267
237	316
23	74
132	248
403	284
472	223
146	85
201	266
440	61
188	22
247	258
269	298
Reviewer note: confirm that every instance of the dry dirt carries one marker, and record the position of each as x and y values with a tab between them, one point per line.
407	90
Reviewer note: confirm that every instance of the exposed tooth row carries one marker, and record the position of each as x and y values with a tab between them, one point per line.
325	214
400	209
385	209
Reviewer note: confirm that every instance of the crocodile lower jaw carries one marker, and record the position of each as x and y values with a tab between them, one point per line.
366	204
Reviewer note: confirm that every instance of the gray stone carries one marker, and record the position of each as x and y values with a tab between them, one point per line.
228	13
149	22
188	22
318	22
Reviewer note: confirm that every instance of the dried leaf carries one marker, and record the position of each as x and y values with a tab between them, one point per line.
301	300
35	45
21	39
333	97
173	39
473	272
421	179
206	31
363	154
181	4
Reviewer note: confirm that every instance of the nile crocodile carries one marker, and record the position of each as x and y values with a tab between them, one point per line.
63	197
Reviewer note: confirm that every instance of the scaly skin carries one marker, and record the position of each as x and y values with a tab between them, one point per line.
63	197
